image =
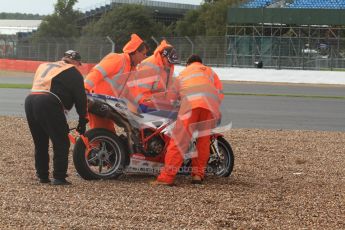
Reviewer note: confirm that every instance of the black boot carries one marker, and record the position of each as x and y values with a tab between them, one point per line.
60	182
44	180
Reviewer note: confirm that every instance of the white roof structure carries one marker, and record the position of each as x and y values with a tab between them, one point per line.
9	27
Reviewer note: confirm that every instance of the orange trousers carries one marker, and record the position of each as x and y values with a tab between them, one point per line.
100	122
179	143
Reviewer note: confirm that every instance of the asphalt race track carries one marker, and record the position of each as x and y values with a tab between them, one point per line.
254	111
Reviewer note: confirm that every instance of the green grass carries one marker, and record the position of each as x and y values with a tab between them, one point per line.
15	86
286	95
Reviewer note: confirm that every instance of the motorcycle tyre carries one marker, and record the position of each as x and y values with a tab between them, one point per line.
222	143
79	155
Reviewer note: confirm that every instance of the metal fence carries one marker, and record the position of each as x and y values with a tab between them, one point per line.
286	52
211	49
52	49
233	50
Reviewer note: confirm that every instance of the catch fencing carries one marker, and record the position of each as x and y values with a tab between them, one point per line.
231	50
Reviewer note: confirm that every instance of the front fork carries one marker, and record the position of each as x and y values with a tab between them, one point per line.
215	150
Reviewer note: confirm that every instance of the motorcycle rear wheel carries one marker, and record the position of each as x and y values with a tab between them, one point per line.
106	156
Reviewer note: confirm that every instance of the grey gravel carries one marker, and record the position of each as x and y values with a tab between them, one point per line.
281	180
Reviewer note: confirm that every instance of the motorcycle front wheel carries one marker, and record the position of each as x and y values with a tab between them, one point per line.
104	158
221	161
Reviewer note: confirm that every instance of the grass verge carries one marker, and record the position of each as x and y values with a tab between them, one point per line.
15	86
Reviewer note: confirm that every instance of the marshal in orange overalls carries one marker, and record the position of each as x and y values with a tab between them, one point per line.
200	93
106	77
154	75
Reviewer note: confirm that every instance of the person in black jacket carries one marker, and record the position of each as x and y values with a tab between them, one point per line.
57	86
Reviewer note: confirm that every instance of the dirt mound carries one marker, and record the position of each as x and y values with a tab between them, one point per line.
281	179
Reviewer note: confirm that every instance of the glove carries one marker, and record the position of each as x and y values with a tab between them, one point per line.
81	128
142	108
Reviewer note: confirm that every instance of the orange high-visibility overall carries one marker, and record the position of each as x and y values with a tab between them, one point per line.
105	78
108	78
152	76
200	93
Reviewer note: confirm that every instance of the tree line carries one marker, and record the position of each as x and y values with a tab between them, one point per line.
20	16
209	19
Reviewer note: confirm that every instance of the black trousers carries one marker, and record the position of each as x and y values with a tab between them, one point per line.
46	121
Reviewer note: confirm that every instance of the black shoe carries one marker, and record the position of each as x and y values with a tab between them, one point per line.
44	180
60	182
196	180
